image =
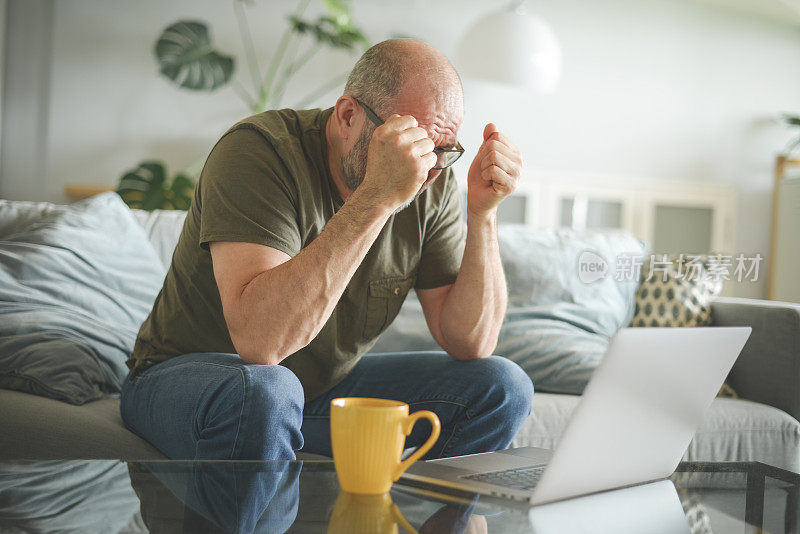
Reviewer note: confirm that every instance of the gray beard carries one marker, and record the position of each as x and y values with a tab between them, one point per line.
354	163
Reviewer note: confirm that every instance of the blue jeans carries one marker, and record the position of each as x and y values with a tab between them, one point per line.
233	497
215	406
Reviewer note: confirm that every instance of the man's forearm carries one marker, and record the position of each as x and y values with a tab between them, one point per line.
474	309
289	304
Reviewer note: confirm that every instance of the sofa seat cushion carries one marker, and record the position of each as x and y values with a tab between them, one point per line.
734	430
56	430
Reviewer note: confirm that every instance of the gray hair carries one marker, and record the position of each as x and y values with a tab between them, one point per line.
379	75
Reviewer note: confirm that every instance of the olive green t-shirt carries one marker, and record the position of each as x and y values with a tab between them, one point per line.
267	181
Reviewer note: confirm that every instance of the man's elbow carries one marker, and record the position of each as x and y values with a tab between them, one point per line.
471	352
255	350
257	357
251	353
468	356
468	351
270	348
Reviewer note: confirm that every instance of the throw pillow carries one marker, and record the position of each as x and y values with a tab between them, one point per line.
677	290
75	285
559	322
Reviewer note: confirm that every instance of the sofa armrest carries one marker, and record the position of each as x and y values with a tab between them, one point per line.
768	369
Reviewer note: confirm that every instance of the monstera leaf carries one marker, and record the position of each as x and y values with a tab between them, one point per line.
146	188
186	56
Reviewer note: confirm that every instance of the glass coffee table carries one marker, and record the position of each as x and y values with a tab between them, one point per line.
304	496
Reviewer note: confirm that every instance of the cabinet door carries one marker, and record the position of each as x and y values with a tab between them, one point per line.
582	212
588	207
683	229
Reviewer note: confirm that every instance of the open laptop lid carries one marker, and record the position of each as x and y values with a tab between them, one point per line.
641	408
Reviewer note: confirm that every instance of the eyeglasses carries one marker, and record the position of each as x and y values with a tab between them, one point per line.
444	156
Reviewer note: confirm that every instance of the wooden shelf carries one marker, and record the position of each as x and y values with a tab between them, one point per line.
80	191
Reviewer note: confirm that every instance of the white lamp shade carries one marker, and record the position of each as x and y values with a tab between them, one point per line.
511	47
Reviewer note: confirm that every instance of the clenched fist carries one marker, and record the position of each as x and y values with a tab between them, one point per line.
494	172
399	158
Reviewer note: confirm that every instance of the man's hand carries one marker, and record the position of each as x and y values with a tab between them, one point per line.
399	158
494	172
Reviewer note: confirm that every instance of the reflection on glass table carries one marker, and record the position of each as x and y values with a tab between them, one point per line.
722	497
167	496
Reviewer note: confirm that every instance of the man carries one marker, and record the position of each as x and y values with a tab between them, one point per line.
306	232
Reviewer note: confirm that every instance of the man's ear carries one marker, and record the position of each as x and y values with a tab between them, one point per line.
344	113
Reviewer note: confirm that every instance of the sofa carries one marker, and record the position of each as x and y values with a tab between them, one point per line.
760	425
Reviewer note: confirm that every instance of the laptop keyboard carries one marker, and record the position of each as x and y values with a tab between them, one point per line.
524	478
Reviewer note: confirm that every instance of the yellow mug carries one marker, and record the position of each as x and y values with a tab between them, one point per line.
367	437
367	514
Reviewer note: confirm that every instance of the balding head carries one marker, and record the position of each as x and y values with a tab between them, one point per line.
398	76
394	67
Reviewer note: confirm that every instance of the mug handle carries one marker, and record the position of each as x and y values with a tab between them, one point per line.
408	425
398	518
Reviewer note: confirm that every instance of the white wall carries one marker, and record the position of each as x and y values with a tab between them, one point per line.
25	98
663	89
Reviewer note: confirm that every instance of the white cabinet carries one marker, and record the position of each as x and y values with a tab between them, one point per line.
670	216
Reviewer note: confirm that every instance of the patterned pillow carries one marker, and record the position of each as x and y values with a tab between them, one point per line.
677	290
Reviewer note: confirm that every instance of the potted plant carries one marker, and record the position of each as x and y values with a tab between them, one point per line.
187	57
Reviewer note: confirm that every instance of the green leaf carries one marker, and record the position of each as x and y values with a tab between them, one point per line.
792	120
185	56
339	10
182	188
146	188
326	31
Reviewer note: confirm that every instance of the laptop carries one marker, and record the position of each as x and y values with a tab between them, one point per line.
633	424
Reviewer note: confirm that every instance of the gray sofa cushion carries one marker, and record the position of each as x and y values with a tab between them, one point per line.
734	430
558	325
163	228
58	496
75	285
16	215
55	430
768	369
542	270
